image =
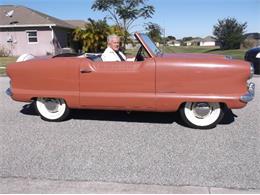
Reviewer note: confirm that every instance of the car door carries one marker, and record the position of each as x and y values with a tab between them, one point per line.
118	85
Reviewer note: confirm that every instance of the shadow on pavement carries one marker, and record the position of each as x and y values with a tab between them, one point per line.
228	118
28	109
123	116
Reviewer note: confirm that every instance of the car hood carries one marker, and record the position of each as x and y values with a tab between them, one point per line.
208	60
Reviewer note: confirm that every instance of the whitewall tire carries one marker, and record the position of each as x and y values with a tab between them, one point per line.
52	109
201	115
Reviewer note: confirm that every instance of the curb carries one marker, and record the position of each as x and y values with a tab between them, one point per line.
38	186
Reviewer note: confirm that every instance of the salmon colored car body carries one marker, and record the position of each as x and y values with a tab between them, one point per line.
200	86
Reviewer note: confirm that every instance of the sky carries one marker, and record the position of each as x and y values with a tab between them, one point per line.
179	18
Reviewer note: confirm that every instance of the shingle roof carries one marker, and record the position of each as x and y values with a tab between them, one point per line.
77	23
24	16
252	35
209	39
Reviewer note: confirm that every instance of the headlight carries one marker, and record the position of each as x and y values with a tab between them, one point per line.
252	70
258	55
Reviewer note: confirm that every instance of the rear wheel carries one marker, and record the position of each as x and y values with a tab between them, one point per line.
201	115
52	109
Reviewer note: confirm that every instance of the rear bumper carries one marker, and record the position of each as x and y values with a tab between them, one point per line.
9	92
249	96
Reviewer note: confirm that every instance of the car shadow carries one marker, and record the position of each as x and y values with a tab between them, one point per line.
133	116
229	117
111	115
123	116
28	109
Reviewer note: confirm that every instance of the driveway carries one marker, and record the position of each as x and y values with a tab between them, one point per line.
135	148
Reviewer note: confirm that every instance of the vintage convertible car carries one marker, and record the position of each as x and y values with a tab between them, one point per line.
199	86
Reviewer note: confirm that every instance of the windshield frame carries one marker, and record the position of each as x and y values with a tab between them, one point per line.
148	44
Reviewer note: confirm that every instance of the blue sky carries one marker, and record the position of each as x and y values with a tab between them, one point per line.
180	18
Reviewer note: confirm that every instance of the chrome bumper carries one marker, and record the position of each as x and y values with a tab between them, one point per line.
249	96
9	92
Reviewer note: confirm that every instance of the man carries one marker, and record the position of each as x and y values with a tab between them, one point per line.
112	52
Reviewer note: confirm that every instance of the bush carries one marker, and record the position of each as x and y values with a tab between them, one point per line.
4	52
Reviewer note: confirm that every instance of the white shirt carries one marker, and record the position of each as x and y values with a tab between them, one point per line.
110	55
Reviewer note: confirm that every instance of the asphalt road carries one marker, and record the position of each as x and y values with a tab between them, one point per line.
138	148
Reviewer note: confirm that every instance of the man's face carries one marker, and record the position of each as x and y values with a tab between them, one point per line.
114	44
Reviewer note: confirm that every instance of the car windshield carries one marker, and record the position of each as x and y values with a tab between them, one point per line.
150	44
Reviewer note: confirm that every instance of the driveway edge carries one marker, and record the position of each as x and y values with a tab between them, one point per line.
38	186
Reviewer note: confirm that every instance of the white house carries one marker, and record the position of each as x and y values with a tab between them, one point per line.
208	41
193	42
175	43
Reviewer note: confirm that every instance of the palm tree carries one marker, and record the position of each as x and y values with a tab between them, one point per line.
93	36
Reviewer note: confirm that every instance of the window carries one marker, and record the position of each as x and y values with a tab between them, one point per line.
32	36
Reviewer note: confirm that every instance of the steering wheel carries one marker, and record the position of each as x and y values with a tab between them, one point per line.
139	55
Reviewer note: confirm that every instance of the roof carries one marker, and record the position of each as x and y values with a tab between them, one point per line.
20	16
208	39
173	41
77	23
252	35
196	39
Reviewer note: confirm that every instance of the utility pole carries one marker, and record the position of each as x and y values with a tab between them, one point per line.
164	40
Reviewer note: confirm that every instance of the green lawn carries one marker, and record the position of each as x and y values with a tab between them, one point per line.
3	63
236	54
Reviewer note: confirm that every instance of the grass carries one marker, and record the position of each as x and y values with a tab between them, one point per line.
4	61
236	53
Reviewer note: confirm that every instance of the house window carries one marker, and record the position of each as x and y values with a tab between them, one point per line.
32	36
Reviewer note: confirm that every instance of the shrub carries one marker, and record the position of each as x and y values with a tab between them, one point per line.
4	52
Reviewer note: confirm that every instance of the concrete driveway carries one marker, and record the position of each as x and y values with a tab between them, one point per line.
135	148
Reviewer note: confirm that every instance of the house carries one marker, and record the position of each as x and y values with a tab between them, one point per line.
251	40
175	43
24	30
193	42
208	41
77	23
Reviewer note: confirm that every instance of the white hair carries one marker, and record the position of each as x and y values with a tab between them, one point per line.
110	37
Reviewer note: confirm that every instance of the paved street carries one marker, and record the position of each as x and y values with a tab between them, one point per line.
135	148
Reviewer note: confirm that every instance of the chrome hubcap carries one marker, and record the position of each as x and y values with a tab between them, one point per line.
52	105
201	110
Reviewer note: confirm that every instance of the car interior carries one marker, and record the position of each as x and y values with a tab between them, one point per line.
140	56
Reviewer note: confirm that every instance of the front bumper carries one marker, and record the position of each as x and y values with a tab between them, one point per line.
249	96
9	92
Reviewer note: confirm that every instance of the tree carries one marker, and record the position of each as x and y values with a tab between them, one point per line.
124	12
170	38
94	36
154	31
229	33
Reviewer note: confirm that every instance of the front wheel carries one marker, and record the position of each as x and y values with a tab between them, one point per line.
52	109
201	115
